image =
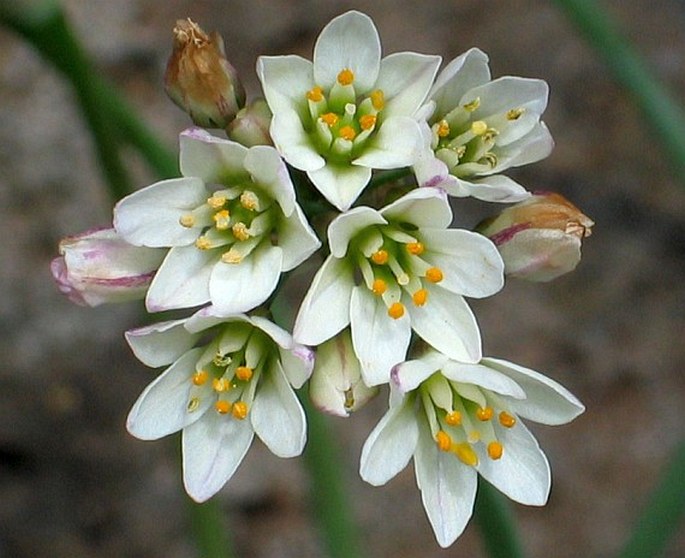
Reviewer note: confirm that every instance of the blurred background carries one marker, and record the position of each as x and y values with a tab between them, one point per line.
73	483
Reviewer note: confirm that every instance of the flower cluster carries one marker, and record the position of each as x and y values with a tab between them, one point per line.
302	171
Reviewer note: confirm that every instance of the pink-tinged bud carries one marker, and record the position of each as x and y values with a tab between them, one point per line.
251	125
98	266
200	80
539	239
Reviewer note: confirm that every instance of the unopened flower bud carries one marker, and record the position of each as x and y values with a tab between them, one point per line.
251	125
539	239
98	266
336	386
200	80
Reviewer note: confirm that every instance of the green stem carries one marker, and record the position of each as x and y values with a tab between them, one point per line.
209	528
664	513
665	115
494	517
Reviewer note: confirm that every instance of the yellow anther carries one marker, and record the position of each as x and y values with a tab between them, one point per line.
514	114
377	99
479	127
330	118
193	404
434	274
380	257
472	105
186	221
379	287
495	450
420	297
347	132
221	384
249	200
415	248
200	377
243	373
315	94
203	243
466	454
239	410
484	413
216	201
490	134
396	310
444	441
346	77
367	121
221	219
453	418
489	158
232	257
240	231
223	407
473	436
221	359
506	420
443	129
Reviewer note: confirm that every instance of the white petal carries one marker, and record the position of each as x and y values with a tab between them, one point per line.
340	184
423	207
298	364
531	148
279	335
285	81
522	473
448	489
161	343
547	401
208	317
240	287
496	188
405	78
397	144
215	160
346	225
277	416
183	279
431	172
470	262
408	375
297	239
483	377
150	217
269	171
448	325
508	92
292	141
162	407
390	445
348	41
379	341
325	309
212	450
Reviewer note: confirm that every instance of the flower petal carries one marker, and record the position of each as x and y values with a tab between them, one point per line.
408	375
215	160
285	82
293	143
422	207
297	239
405	78
269	171
298	364
340	184
483	377
533	147
397	144
497	188
346	225
161	343
506	93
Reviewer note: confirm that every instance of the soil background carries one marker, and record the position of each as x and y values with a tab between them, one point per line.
74	484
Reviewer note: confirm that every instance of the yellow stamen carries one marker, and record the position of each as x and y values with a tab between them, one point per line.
434	274
346	77
249	200
216	201
203	243
443	129
221	219
231	257
495	450
240	231
472	105
239	410
415	248
380	257
484	413
378	99
223	407
514	114
379	287
315	94
479	127
444	441
420	297
396	310
466	454
506	420
367	121
221	384
221	359
347	132
453	418
330	118
243	373
186	221
193	404
200	377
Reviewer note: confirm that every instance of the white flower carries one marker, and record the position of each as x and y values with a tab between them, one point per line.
477	128
413	271
457	420
98	266
349	111
220	394
219	222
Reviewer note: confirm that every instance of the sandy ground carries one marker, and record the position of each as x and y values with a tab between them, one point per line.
72	481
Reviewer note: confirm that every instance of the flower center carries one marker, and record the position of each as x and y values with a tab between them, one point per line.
342	119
